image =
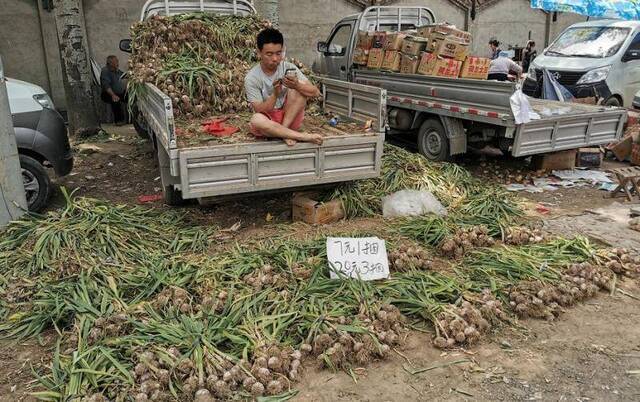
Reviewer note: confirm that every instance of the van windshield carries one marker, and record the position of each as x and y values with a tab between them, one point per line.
592	42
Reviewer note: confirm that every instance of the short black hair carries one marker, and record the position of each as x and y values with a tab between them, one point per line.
494	42
269	35
111	57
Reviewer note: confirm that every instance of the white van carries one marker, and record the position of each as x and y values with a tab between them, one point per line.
596	58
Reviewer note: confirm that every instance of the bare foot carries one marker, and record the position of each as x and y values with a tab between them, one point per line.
290	142
316	139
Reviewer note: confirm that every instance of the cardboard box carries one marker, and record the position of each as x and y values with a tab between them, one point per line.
394	41
306	209
409	64
437	66
589	157
379	40
475	67
364	40
446	46
360	56
622	149
448	30
376	57
391	60
427	63
461	53
556	160
413	45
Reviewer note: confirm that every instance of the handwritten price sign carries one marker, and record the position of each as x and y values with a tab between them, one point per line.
364	258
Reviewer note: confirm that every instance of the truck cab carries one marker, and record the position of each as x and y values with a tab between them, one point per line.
334	55
592	59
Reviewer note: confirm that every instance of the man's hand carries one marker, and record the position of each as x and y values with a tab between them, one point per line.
115	98
291	81
277	88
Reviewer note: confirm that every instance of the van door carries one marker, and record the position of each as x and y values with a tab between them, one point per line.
338	52
631	68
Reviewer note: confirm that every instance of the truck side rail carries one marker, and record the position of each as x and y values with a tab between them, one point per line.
359	102
477	100
220	7
157	110
587	127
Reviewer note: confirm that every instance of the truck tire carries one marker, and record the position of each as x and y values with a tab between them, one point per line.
432	141
140	125
612	101
37	185
172	197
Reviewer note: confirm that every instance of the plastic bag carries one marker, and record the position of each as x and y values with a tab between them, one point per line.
411	203
553	90
521	108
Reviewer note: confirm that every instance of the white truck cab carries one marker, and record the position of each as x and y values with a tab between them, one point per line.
41	136
596	58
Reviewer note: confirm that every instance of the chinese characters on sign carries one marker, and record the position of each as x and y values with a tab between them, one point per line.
364	258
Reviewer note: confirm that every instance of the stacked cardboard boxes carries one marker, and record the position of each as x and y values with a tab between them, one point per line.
439	50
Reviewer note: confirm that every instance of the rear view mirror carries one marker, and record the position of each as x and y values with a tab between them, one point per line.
631	55
322	47
125	45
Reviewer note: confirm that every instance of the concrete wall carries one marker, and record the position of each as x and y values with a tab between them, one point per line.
21	44
107	22
511	22
305	22
28	41
443	10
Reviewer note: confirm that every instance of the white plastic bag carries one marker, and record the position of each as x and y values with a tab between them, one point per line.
521	108
411	203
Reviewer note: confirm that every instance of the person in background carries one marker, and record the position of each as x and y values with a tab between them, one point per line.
494	47
278	92
528	55
499	68
114	89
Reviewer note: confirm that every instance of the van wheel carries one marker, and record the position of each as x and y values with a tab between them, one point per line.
612	101
172	197
37	185
432	141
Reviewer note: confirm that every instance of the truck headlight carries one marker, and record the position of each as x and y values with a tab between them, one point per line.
44	100
595	75
531	74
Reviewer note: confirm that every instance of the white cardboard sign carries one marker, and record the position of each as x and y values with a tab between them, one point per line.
364	258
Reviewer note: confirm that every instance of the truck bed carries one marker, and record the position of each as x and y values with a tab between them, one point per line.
245	164
191	132
477	100
562	125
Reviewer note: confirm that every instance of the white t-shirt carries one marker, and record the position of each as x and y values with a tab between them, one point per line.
259	86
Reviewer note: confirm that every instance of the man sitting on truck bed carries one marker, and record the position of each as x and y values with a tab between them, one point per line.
278	92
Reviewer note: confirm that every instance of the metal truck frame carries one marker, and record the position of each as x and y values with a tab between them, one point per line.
446	115
221	170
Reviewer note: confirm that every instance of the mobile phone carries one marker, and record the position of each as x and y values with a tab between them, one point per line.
290	72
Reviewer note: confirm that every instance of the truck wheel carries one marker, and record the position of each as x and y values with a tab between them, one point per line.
172	197
612	101
432	141
140	125
37	185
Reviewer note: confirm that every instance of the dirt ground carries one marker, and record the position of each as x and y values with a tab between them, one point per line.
590	353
